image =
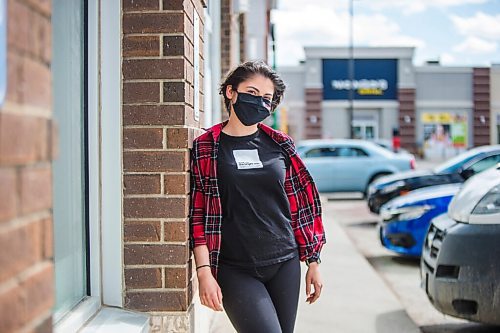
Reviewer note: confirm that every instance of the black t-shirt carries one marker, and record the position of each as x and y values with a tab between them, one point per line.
256	225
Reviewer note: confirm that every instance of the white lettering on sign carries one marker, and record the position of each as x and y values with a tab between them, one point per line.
381	84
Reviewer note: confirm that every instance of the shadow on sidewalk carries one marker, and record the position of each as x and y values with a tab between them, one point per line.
460	328
395	321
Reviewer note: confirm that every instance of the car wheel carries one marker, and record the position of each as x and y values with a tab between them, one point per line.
373	179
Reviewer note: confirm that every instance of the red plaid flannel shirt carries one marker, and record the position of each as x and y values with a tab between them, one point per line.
205	214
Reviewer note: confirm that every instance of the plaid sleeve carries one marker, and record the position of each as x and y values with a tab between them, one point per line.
197	202
305	206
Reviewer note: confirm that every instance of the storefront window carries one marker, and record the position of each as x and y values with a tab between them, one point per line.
69	169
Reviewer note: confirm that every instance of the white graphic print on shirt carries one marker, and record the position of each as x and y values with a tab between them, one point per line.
247	159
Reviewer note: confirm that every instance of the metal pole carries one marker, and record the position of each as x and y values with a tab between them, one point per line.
351	69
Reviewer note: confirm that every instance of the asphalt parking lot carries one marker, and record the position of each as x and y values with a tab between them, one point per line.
401	274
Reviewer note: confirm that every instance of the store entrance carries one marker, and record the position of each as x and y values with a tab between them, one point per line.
365	129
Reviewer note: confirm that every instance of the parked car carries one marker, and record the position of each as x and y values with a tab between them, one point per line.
349	165
405	219
460	266
456	170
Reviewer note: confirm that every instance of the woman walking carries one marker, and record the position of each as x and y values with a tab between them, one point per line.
255	211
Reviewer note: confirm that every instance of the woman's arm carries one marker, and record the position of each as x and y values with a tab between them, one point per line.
210	292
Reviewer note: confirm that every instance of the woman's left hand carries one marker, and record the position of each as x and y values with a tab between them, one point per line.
313	277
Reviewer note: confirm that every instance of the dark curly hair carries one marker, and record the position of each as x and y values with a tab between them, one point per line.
248	69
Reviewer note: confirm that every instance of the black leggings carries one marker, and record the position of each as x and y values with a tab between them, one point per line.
261	299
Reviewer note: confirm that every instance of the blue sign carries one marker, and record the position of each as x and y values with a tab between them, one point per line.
374	79
3	50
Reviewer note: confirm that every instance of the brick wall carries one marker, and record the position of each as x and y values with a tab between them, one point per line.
158	129
407	119
481	98
313	119
27	147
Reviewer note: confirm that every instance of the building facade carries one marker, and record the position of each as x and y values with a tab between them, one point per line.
436	110
102	102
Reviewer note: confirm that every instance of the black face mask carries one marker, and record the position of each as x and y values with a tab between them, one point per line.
251	109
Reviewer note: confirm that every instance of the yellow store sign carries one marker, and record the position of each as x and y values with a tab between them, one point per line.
440	118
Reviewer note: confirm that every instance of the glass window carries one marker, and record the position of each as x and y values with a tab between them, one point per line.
485	163
352	152
69	169
323	152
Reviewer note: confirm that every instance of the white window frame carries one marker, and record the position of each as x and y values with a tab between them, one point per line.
105	170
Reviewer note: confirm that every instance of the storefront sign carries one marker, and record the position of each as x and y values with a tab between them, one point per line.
373	79
444	128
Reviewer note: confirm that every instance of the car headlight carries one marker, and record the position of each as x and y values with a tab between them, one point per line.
405	213
392	187
490	203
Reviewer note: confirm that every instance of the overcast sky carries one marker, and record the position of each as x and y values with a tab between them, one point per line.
458	32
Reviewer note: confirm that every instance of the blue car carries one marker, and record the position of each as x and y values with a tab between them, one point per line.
350	165
405	219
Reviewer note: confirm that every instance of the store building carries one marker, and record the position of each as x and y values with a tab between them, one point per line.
438	111
102	102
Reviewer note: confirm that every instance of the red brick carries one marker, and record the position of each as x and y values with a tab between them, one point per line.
143	138
53	140
18	26
176	277
22	139
20	248
39	292
131	5
48	238
153	115
176	231
176	184
139	278
8	194
156	301
44	38
155	207
174	45
36	85
153	23
174	4
36	188
137	69
15	75
12	310
175	92
42	6
141	92
142	231
179	137
161	161
141	46
142	184
155	254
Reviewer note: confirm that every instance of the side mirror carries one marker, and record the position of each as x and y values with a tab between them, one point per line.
466	173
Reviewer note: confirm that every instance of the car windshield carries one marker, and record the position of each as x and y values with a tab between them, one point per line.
456	162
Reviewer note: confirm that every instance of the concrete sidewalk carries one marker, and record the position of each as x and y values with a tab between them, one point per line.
354	299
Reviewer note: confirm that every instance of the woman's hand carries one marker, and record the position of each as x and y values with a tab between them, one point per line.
313	277
210	293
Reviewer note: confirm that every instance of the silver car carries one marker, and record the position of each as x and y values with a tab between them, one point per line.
343	165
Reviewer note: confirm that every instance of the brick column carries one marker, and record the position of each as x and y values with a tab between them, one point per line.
27	141
313	121
158	128
481	98
242	22
407	119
